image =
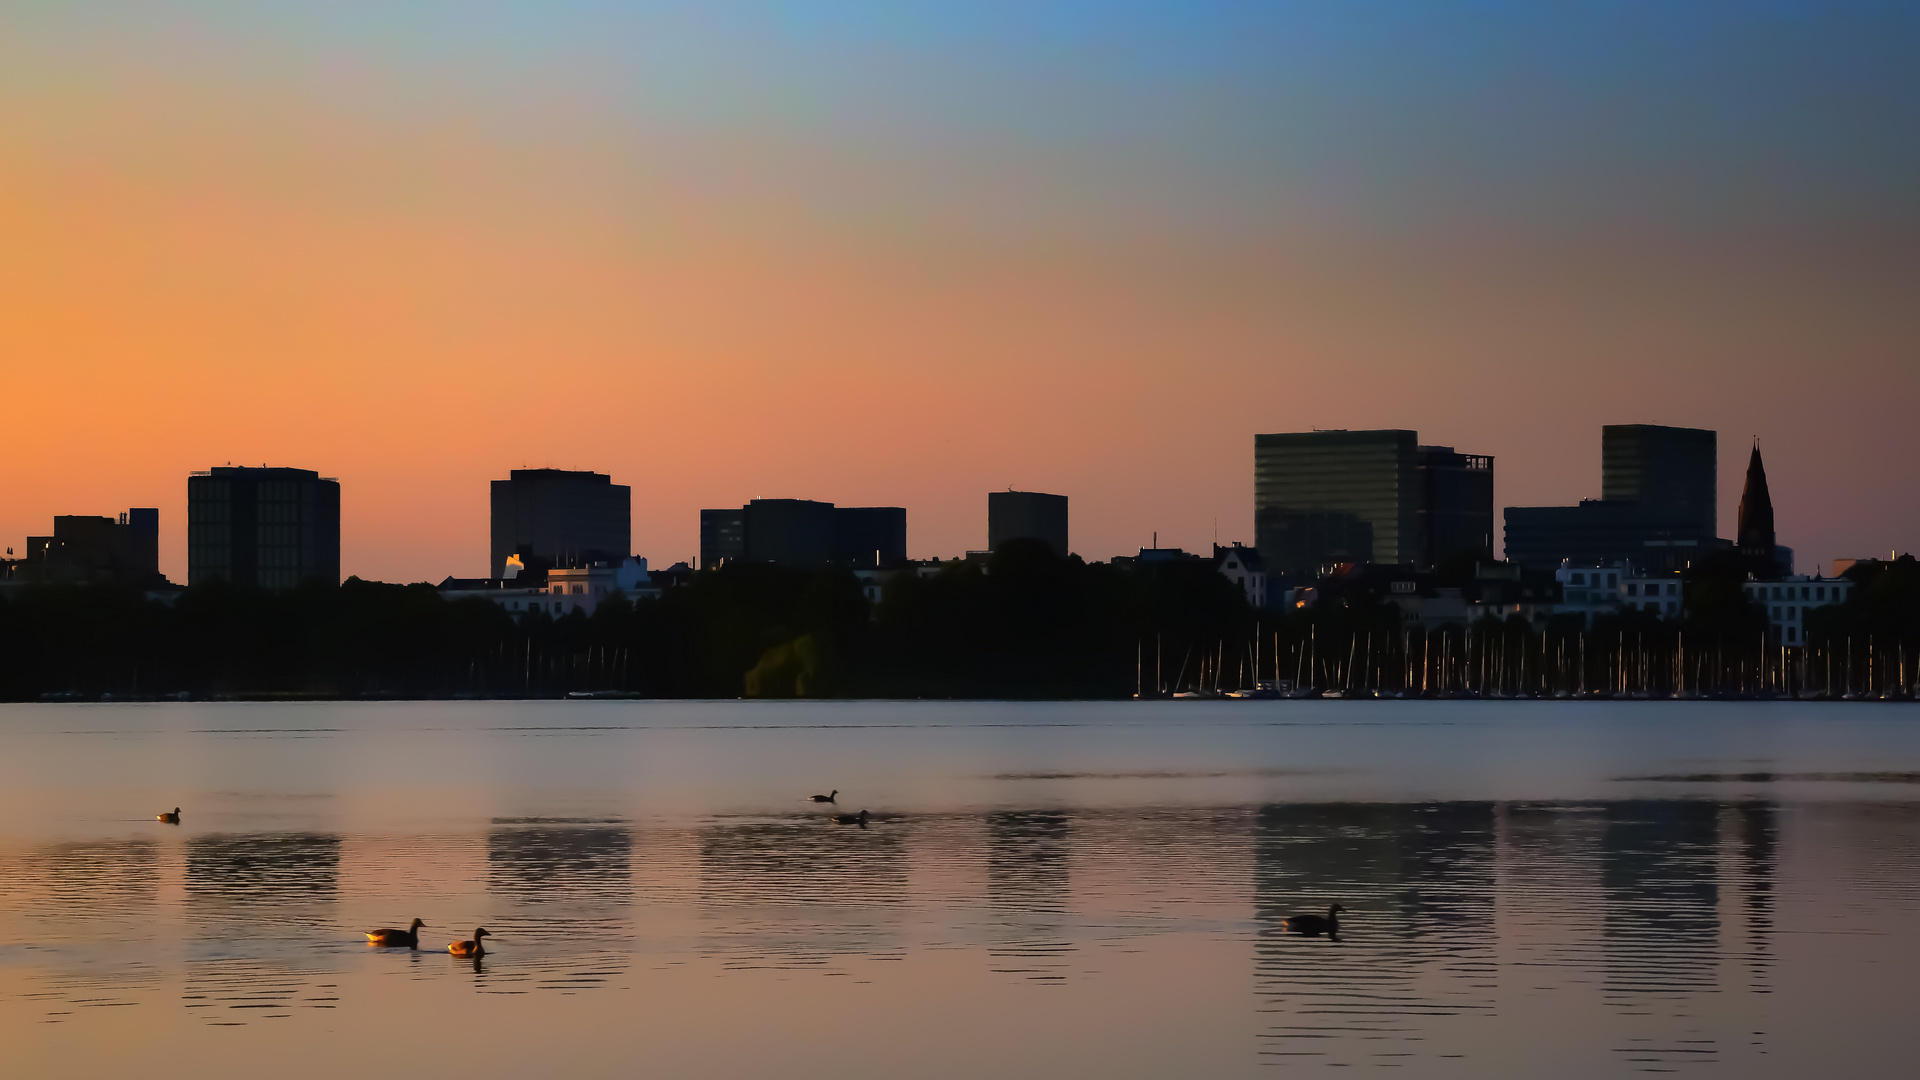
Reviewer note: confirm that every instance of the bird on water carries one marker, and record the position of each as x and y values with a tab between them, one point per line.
859	819
169	818
1315	925
390	938
470	948
832	797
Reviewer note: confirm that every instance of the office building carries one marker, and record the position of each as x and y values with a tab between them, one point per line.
804	533
869	537
87	548
1455	510
1656	511
560	517
1017	515
723	536
1669	467
1328	497
272	528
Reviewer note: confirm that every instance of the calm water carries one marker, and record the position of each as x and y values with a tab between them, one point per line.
1532	889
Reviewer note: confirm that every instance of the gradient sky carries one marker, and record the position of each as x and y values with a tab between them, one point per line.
908	252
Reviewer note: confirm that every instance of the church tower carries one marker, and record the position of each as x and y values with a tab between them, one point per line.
1755	538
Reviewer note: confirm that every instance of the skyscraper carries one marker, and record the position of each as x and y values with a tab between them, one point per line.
273	528
1455	509
1323	497
1673	469
560	517
1015	515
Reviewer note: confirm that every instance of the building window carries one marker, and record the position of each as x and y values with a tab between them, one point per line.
1579	579
1820	593
1613	580
1776	614
1789	633
578	589
1806	593
1632	589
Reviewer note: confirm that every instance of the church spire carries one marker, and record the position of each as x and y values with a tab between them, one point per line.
1755	538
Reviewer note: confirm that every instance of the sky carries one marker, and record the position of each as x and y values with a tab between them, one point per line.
906	253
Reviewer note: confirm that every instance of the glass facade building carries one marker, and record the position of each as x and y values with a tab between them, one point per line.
1325	497
560	517
272	528
1673	468
1014	515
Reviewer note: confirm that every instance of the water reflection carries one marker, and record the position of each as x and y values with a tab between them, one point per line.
263	868
1027	892
567	891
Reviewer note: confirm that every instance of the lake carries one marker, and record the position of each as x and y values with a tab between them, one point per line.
1042	889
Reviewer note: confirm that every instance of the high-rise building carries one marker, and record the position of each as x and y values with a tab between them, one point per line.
560	517
804	533
1455	511
1325	497
1656	511
1016	515
1673	468
869	537
273	528
723	536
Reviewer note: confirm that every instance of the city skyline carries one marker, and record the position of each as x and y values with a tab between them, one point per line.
915	257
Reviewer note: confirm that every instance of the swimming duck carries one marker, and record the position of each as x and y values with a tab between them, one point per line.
833	797
470	948
397	939
171	819
859	819
1314	925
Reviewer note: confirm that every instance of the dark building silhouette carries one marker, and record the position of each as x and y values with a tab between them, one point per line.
1755	538
723	536
1673	468
1326	497
1656	511
1455	511
869	537
1018	515
804	533
560	517
97	549
273	528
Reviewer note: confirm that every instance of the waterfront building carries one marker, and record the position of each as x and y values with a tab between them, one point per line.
1789	599
1244	567
561	591
1015	515
1656	509
560	517
1327	497
869	537
1454	513
90	548
1674	468
1656	594
804	533
268	527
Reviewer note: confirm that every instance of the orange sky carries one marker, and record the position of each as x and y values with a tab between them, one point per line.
417	300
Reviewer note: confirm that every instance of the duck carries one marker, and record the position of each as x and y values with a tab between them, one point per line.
859	819
832	797
172	818
1315	925
390	938
470	948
